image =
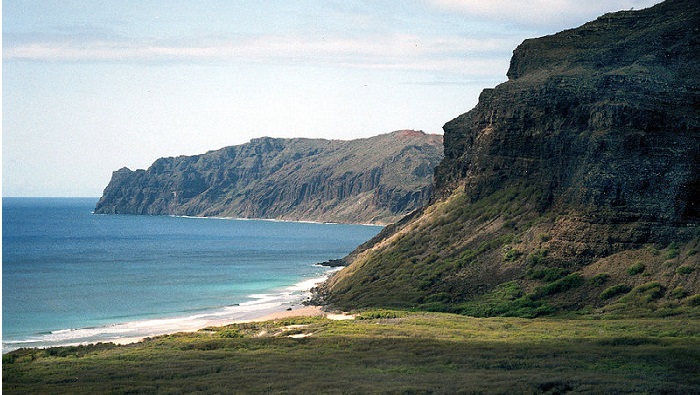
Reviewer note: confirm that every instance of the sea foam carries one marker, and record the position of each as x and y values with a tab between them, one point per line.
257	306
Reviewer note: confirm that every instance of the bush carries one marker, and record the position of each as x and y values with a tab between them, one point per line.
615	290
561	285
511	255
685	270
599	279
679	293
694	300
635	269
646	292
379	314
671	251
537	256
230	333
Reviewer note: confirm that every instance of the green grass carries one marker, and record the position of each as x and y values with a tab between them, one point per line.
636	268
424	262
385	352
615	290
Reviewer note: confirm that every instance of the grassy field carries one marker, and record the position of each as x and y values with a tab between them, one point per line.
380	352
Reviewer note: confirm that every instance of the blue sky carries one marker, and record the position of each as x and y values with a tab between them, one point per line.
92	86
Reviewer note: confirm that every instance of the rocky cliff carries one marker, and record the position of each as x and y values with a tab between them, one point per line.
374	180
583	164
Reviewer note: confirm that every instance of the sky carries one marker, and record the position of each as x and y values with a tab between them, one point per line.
91	86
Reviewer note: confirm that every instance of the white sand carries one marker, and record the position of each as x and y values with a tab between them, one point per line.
303	311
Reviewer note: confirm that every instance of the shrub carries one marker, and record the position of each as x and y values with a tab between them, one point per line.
511	254
561	285
685	269
653	250
599	279
537	256
615	290
692	252
635	269
646	292
679	293
442	297
379	314
694	300
671	251
230	333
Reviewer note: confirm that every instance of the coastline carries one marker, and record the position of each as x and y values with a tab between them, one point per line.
288	312
119	278
301	311
284	303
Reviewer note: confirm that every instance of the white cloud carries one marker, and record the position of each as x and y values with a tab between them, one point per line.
399	51
557	14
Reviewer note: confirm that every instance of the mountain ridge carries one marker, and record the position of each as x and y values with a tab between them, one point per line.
372	180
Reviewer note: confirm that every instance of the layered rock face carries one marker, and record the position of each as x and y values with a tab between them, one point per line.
374	180
590	149
603	120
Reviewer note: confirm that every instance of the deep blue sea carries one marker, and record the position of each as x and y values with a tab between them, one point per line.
70	276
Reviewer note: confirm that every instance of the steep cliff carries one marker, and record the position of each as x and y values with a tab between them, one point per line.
374	180
586	162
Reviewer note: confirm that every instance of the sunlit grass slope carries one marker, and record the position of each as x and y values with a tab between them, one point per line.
380	352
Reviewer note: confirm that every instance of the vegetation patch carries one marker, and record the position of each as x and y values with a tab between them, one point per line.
672	251
561	285
422	267
380	314
420	353
679	293
511	254
685	270
615	290
636	268
643	294
599	279
536	257
694	300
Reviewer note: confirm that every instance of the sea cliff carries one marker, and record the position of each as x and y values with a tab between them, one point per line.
583	164
374	180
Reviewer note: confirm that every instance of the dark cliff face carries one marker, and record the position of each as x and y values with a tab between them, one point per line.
603	120
589	151
375	180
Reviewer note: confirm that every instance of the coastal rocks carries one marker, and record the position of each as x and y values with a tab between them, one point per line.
374	180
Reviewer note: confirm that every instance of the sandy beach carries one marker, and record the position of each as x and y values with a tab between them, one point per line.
297	311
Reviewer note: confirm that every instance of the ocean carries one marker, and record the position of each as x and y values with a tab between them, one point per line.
72	277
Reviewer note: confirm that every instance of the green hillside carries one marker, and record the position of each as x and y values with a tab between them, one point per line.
572	188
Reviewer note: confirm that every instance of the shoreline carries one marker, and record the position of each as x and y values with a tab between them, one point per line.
301	311
274	306
277	312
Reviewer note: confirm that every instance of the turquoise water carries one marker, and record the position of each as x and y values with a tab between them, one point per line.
70	276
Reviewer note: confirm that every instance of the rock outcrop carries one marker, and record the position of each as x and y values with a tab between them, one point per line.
374	180
588	155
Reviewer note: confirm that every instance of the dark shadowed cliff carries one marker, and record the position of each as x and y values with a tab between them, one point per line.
575	185
374	180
